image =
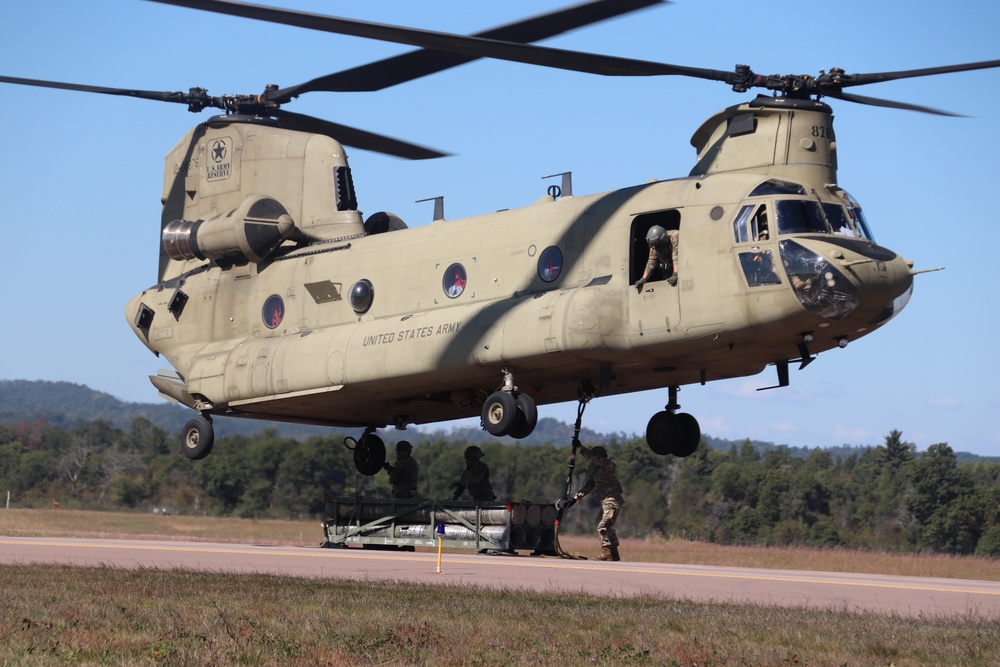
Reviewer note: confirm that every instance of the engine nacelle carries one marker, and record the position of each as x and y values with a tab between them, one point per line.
250	232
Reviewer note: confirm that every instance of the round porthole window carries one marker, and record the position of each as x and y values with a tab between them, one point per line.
550	264
454	280
273	312
362	295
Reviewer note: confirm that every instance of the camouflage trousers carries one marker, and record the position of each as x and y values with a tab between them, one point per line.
610	508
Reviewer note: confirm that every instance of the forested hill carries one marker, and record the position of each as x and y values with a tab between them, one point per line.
64	404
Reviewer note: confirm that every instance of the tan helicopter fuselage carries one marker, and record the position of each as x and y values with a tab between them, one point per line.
261	306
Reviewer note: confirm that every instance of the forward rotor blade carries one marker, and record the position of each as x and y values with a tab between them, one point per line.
180	98
415	64
350	136
889	104
876	77
474	47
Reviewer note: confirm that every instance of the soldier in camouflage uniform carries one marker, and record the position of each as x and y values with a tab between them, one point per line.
476	477
662	245
403	475
604	478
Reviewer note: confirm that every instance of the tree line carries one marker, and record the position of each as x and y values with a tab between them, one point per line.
888	497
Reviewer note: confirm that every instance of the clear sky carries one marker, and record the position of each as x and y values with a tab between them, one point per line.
81	176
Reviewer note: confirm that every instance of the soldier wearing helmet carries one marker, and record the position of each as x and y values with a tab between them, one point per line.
403	476
476	477
604	478
662	256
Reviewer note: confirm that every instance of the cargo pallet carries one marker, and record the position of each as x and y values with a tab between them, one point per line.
393	523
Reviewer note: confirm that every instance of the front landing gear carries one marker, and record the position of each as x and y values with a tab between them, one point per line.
670	432
509	412
198	437
369	452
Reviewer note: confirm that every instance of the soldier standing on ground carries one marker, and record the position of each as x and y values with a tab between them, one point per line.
476	477
604	478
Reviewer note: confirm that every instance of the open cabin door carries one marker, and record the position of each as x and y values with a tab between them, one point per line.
655	311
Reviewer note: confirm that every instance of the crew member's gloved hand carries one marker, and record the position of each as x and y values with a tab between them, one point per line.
387	467
639	285
672	280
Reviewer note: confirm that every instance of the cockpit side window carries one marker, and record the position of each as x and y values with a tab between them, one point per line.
860	223
751	224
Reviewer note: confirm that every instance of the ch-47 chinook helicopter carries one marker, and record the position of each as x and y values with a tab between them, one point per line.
278	299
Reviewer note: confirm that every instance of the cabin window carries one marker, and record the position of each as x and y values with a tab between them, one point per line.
362	296
550	264
273	311
454	281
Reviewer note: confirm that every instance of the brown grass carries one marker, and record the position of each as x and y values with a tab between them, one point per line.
53	614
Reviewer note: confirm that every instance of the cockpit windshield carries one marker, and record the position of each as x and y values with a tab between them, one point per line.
803	216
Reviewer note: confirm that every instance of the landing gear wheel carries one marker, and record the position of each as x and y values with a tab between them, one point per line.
527	417
198	437
499	413
369	454
660	433
689	434
677	434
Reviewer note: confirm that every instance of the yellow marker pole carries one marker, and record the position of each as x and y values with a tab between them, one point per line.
440	536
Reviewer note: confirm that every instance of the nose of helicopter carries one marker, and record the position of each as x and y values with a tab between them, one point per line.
847	280
885	285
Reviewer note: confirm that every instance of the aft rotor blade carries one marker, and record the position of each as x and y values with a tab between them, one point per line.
474	47
416	64
350	136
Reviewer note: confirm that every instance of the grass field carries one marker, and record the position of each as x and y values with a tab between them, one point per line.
54	615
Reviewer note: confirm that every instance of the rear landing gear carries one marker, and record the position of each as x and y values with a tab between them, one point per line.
509	412
198	437
670	432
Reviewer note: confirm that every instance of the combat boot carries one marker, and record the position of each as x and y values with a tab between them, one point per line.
614	553
605	554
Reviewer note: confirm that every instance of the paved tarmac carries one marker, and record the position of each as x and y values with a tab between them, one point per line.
903	596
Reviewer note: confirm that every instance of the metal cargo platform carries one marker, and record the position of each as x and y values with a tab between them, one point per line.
396	523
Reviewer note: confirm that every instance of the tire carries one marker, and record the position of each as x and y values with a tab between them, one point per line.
660	433
527	417
369	454
197	438
689	435
499	413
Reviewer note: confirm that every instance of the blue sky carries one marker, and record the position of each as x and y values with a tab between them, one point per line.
81	176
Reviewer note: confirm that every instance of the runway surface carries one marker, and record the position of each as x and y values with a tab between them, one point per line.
904	596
